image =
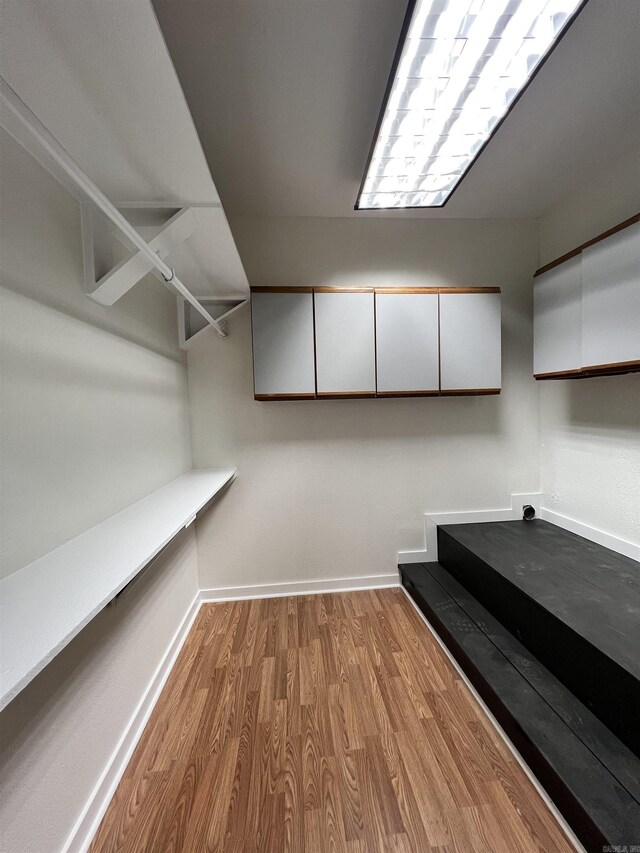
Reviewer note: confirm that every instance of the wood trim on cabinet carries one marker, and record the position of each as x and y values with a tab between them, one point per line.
469	392
375	395
328	289
445	290
558	374
574	252
394	290
356	395
614	365
281	289
267	397
434	393
613	369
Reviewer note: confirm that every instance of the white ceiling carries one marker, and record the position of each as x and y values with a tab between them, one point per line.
285	96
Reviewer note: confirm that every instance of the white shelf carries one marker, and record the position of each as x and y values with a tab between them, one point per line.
44	605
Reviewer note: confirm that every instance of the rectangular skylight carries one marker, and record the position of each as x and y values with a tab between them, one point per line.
459	68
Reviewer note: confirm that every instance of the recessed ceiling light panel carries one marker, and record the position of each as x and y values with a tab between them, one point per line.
459	68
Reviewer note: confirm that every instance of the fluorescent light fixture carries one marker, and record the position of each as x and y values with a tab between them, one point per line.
459	68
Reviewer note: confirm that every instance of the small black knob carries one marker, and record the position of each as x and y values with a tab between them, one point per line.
528	512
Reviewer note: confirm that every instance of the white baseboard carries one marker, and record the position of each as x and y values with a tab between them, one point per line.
87	824
433	519
415	557
278	590
621	546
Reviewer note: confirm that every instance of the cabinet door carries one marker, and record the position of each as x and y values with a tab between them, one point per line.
345	346
283	358
407	342
470	342
611	299
557	319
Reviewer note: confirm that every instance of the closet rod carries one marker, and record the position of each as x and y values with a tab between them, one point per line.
27	129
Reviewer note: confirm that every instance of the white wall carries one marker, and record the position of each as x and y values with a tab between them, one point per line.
612	195
95	415
58	735
91	420
333	489
590	428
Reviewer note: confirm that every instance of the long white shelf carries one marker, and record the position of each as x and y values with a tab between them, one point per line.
45	604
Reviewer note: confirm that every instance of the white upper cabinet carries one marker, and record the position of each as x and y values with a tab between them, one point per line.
470	342
283	357
557	309
407	342
345	342
367	342
611	299
587	308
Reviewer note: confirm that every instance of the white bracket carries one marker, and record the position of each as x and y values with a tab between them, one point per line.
107	287
191	325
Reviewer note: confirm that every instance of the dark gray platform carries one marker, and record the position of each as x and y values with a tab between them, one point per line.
592	589
574	604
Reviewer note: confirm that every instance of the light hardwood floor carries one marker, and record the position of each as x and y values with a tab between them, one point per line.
322	723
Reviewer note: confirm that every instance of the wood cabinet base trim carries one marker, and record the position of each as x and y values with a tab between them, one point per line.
469	392
616	365
435	393
267	397
559	374
372	395
340	395
613	369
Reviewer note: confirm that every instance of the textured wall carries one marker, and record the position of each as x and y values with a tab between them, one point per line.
331	489
590	429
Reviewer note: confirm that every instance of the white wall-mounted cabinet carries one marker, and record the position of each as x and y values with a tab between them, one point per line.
345	342
368	342
407	346
283	352
587	308
470	342
611	299
557	301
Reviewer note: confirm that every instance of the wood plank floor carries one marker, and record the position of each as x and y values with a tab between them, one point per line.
322	723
